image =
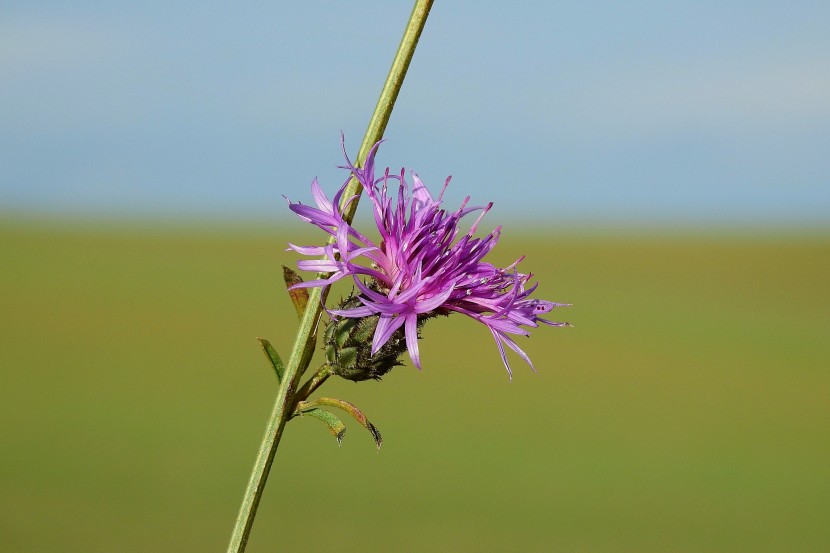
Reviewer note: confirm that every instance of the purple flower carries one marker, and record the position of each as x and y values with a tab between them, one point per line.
422	265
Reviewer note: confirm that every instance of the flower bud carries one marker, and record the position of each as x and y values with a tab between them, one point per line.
348	343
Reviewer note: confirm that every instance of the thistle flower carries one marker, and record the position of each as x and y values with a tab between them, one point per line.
422	266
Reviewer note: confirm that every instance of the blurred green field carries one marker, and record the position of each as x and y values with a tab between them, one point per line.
687	411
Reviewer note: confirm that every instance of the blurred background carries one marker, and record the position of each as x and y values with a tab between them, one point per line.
663	167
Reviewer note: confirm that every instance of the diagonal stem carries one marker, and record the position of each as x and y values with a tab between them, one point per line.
304	342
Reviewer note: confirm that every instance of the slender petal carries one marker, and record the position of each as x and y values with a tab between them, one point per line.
355	313
387	325
411	331
320	198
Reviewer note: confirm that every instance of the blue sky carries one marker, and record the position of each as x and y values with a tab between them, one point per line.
584	112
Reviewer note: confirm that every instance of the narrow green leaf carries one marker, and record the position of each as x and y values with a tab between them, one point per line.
299	296
273	357
334	424
351	409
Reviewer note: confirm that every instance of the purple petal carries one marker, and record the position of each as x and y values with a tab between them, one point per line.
553	323
434	302
507	340
320	198
412	291
420	195
314	215
361	251
411	331
308	250
504	325
371	294
319	282
503	355
387	325
318	265
356	313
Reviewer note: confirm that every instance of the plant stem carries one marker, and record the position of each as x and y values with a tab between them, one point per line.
311	385
304	342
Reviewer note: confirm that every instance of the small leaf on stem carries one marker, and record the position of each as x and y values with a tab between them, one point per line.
299	296
334	424
273	357
351	409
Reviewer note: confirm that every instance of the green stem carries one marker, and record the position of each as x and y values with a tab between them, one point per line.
322	374
304	342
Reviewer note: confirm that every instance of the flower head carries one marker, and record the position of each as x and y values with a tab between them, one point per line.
423	264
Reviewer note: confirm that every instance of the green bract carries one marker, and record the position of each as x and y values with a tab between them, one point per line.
348	345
